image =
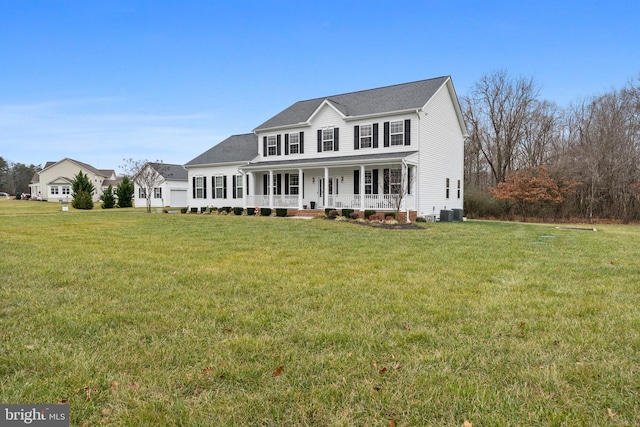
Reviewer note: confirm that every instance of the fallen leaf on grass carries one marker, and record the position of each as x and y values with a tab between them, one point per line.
611	413
106	411
278	371
397	366
392	422
406	326
382	371
114	384
207	370
467	424
227	330
133	386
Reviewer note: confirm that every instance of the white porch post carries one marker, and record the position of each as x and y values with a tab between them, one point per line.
362	187
405	174
300	187
270	189
247	184
326	187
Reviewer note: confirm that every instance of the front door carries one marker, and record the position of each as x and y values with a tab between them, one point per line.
333	189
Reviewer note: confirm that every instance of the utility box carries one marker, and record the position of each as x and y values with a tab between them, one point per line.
430	218
65	205
458	214
446	215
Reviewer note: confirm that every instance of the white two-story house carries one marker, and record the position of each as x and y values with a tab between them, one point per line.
398	147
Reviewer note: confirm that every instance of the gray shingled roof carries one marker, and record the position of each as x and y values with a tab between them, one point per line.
169	171
400	97
236	148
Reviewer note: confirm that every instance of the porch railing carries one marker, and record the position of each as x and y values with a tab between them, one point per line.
337	201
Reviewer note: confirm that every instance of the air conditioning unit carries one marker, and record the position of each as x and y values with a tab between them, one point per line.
458	214
446	215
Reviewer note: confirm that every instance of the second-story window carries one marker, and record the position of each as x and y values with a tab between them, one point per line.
294	143
396	132
327	140
272	143
366	136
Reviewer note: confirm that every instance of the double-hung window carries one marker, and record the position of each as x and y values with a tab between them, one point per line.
396	132
368	182
294	143
294	184
141	193
366	136
395	181
447	188
458	189
157	193
219	186
238	186
199	187
272	144
54	190
66	190
327	139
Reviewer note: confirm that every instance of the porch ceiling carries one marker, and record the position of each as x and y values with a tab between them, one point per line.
331	161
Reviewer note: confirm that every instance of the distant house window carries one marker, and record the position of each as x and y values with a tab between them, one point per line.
66	190
447	188
239	190
327	140
199	187
366	136
458	189
294	184
219	187
272	144
396	132
294	143
141	193
54	190
157	193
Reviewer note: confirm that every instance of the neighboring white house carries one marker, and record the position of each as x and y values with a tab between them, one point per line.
361	150
170	190
53	183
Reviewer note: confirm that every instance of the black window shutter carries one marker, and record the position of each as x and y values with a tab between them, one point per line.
407	132
265	184
409	170
279	184
204	190
213	187
375	135
336	134
319	140
233	186
356	181
386	183
224	186
278	145
286	184
303	185
286	144
194	187
264	146
356	138
247	182
375	181
301	149
386	134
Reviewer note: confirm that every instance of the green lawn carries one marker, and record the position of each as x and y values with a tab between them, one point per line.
199	320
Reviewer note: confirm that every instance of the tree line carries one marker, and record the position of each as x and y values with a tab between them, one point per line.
15	177
582	161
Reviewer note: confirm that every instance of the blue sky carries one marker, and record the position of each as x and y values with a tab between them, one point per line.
101	81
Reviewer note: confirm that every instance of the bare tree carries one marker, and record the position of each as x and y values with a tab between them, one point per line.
397	184
499	111
147	175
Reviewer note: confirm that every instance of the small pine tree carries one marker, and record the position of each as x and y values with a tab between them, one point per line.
108	200
125	191
82	200
81	191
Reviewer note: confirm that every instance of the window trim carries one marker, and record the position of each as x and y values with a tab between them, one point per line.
327	143
157	192
199	186
218	184
399	135
272	143
295	144
361	137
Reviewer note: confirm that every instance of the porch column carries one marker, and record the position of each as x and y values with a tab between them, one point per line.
300	187
326	187
362	187
405	183
270	189
247	184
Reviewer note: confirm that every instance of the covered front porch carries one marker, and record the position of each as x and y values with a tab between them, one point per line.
383	183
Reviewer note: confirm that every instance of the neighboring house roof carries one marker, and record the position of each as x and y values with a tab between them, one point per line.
170	172
334	159
236	148
401	97
99	172
111	182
